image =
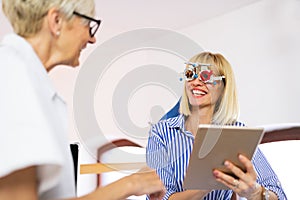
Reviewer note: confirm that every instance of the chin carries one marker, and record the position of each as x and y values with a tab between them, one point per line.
71	62
75	63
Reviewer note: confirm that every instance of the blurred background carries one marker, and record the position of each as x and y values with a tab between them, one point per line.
260	38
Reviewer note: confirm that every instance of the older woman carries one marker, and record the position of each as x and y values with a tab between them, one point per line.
209	97
35	159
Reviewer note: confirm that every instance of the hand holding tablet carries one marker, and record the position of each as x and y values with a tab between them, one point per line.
215	144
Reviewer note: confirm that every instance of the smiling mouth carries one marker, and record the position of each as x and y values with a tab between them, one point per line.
198	92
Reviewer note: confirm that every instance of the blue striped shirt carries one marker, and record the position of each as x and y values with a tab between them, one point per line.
168	151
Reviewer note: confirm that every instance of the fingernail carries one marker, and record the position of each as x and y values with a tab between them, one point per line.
226	163
241	156
215	173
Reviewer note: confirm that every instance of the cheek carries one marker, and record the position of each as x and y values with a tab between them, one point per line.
216	95
187	89
216	91
188	85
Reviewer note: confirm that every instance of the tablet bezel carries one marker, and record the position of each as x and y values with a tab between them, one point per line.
228	143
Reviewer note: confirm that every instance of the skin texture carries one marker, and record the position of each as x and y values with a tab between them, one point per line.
62	43
63	40
203	98
21	184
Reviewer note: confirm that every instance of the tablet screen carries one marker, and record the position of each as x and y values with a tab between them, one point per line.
215	144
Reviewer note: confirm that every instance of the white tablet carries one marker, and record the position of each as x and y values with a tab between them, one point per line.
215	144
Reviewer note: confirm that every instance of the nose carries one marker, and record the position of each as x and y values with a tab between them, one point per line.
198	81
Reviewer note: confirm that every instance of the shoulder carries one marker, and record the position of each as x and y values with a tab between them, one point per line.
12	65
15	53
238	123
173	122
14	78
9	59
8	51
167	127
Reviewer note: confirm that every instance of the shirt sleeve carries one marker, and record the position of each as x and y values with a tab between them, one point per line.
157	157
27	137
266	176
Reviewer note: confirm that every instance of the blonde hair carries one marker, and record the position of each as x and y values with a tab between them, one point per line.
227	108
26	16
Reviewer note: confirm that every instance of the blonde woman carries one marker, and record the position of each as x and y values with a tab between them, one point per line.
35	157
209	97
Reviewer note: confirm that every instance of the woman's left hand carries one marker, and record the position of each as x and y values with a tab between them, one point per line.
245	185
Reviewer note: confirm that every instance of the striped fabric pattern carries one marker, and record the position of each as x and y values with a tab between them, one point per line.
168	151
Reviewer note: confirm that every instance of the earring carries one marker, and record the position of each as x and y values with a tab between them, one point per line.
58	33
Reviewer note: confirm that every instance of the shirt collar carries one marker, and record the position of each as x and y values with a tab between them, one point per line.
35	66
176	122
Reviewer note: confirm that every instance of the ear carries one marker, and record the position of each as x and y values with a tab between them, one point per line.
54	21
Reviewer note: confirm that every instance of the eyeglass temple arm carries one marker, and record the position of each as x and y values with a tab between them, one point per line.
197	64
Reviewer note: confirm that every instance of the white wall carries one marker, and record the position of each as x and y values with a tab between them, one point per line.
262	43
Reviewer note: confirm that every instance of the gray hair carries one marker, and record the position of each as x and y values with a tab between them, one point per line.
26	16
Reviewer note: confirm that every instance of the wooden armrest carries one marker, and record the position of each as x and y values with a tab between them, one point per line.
114	144
281	135
99	168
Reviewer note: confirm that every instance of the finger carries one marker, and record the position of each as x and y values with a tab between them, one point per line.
146	169
248	164
157	195
235	170
231	183
226	179
147	183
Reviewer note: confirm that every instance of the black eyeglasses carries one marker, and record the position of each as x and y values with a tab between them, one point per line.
94	23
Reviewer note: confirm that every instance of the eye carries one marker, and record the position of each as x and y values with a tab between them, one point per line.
189	74
205	75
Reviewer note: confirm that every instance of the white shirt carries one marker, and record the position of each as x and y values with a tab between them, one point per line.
33	121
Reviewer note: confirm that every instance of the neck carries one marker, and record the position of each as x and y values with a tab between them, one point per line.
42	45
198	116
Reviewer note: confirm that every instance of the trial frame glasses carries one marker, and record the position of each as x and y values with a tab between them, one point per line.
201	71
93	27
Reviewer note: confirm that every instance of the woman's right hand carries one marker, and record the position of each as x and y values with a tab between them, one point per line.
146	181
